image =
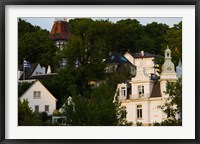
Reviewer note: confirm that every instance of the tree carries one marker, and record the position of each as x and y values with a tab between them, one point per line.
128	34
45	119
173	105
173	39
63	84
23	86
26	117
24	27
34	45
97	109
156	32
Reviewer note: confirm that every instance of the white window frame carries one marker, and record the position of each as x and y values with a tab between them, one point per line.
139	111
123	91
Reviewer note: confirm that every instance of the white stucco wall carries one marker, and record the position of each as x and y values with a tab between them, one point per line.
46	98
156	114
148	64
148	86
151	111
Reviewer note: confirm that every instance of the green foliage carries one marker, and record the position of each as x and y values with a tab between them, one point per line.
26	117
24	27
156	33
64	84
23	86
173	38
139	123
173	106
169	122
174	89
34	45
127	35
45	119
97	109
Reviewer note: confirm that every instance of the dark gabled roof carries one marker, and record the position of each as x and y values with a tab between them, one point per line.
156	90
60	31
117	58
28	71
139	55
146	55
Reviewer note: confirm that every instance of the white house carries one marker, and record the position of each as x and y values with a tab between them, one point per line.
143	96
39	98
144	57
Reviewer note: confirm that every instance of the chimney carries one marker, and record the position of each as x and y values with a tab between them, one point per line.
49	69
142	53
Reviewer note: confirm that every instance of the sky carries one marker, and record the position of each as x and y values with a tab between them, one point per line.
47	23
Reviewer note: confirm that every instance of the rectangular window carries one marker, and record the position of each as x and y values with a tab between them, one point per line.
36	108
139	111
46	107
123	91
37	94
140	90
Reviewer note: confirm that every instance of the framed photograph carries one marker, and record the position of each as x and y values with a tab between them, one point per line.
99	71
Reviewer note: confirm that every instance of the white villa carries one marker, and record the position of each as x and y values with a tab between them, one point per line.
144	94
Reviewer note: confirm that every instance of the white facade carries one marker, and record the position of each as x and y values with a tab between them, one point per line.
39	98
150	110
147	95
147	62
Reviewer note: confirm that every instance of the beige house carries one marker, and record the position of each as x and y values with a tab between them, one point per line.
39	98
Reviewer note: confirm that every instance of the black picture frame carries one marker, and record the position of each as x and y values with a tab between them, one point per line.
99	2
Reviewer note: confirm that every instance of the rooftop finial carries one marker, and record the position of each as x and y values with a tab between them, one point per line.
60	19
167	46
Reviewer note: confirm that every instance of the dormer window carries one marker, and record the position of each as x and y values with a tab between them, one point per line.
140	90
123	91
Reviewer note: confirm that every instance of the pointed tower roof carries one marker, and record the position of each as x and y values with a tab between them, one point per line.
60	30
168	69
168	66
